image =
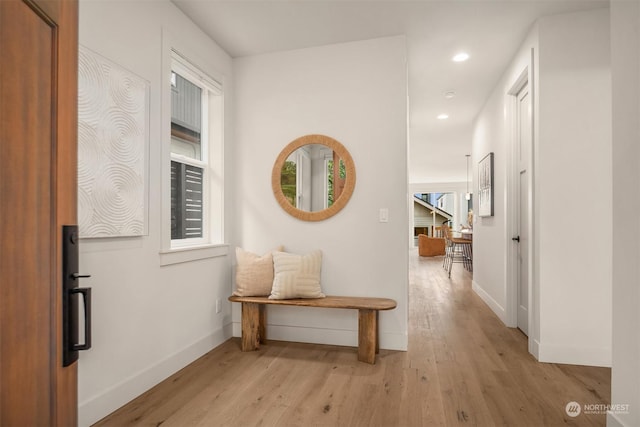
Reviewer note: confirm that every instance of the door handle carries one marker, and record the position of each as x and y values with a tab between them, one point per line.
70	298
516	239
86	298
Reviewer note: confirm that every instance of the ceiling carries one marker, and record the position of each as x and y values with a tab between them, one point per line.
489	31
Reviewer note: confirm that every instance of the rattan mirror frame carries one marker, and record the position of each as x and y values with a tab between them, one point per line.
350	180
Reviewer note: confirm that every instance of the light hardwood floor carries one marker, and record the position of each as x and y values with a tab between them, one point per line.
463	367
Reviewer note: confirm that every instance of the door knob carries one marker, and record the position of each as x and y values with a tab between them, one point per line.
516	239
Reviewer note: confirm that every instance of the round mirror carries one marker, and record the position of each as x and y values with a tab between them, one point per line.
313	177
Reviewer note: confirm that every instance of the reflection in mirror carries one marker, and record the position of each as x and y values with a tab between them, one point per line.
309	179
313	177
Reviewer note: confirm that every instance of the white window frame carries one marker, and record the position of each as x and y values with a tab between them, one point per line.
207	87
211	244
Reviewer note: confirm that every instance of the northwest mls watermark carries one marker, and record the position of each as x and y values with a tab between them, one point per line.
573	409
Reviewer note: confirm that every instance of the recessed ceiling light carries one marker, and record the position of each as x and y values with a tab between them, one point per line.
443	116
449	94
460	57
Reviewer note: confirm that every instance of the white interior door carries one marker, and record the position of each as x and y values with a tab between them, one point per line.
522	239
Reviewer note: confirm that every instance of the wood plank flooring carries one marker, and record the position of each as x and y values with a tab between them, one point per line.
463	368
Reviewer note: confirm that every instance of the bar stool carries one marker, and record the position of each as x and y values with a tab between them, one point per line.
456	250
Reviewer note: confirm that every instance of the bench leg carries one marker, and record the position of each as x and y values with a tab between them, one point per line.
367	335
262	324
250	326
377	333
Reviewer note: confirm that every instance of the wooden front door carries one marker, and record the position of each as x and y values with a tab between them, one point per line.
38	150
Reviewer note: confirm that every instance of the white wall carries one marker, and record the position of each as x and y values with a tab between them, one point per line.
571	293
355	93
574	156
625	69
492	133
148	321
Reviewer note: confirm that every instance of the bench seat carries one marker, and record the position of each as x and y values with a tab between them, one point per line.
254	319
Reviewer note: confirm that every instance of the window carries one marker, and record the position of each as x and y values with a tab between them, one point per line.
188	166
195	179
187	201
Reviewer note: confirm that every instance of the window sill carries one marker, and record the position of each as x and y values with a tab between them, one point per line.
192	253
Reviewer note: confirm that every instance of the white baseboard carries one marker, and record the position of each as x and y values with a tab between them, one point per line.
97	407
534	348
499	310
345	337
586	356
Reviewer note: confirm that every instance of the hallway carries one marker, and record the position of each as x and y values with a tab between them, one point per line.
484	372
463	367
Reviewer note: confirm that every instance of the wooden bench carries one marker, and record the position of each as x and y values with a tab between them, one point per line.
254	319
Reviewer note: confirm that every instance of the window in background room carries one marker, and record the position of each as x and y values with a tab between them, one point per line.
431	210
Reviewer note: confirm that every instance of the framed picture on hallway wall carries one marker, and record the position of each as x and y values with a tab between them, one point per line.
485	186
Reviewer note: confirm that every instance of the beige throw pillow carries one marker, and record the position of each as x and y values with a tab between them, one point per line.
254	273
296	276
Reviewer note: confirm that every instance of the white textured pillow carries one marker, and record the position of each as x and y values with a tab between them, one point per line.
254	273
296	276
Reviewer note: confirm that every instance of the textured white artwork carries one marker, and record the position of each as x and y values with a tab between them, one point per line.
112	142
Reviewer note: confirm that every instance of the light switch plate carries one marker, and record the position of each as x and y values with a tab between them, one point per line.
384	215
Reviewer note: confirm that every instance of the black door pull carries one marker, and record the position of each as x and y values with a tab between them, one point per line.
516	239
86	298
72	294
